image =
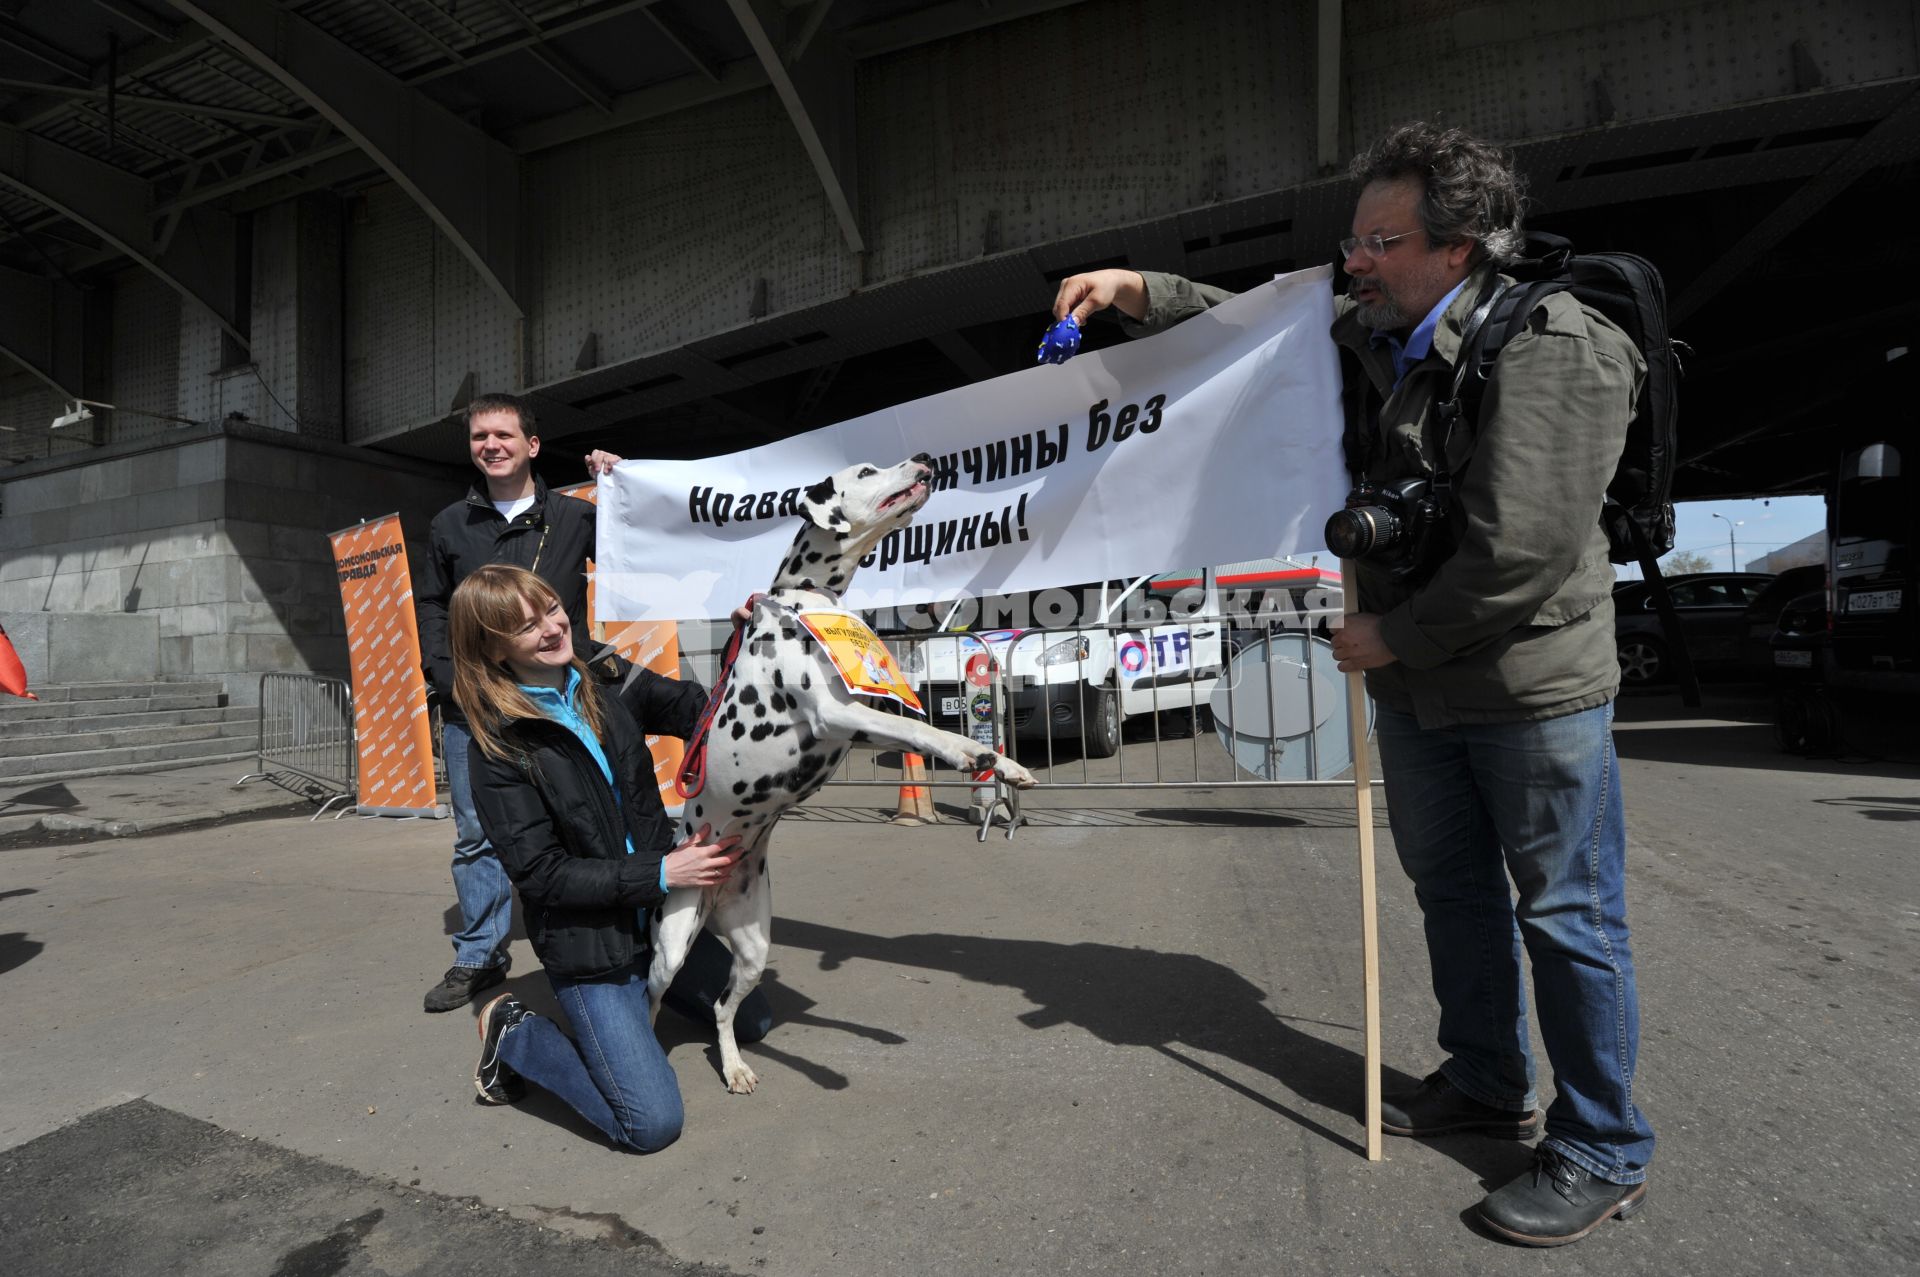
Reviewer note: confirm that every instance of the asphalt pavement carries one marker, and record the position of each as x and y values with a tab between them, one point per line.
1126	1040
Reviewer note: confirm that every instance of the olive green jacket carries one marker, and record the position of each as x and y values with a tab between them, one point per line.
1517	623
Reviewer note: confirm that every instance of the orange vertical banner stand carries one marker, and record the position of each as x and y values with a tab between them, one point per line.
652	644
390	728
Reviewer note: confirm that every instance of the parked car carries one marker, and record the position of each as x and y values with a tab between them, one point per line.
1712	608
1799	638
1764	615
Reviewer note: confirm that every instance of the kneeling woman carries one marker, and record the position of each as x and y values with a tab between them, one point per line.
556	772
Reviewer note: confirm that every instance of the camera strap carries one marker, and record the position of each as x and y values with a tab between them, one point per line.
1446	414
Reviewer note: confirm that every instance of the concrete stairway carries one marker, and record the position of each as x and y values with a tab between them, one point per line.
94	729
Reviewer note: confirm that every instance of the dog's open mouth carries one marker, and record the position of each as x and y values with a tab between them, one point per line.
916	489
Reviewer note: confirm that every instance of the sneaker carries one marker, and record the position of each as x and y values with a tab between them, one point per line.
496	1082
1554	1202
459	984
1437	1107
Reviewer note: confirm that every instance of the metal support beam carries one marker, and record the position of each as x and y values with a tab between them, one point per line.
649	103
938	22
1891	140
40	328
136	16
557	62
807	28
818	94
465	181
420	29
680	38
114	204
722	80
17	37
197	193
143	60
1327	84
150	102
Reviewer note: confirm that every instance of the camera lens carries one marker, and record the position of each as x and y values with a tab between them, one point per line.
1356	533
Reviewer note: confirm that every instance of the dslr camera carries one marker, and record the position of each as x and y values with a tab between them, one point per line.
1399	526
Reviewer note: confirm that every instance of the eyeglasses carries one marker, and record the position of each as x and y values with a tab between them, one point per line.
1376	245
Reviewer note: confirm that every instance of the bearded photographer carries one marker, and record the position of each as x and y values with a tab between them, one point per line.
1487	642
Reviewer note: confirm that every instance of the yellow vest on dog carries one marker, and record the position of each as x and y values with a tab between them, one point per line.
861	659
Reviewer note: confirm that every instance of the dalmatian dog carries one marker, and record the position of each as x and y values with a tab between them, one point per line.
783	723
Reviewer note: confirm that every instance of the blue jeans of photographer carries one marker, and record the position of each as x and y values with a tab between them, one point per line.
1537	803
479	879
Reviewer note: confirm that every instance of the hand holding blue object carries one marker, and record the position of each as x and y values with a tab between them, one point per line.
1061	343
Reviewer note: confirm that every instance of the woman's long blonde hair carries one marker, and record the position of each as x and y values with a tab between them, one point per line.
487	609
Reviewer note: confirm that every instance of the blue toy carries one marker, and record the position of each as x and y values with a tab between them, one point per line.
1061	343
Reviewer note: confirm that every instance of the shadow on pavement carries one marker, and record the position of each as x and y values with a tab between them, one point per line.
1222	816
16	950
1171	1003
1878	808
56	797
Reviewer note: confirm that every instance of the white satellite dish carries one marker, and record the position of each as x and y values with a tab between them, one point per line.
1282	709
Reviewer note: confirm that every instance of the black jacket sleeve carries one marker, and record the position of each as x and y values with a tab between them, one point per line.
652	833
430	594
520	825
663	706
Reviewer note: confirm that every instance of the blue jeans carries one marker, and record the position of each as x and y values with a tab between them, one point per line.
1539	802
486	896
612	1071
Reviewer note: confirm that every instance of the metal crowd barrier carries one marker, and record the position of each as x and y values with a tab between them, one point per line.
306	738
1287	707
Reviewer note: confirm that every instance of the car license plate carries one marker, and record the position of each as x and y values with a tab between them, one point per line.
1874	601
1800	660
953	704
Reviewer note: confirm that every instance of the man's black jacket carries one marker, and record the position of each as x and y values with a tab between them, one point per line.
562	834
557	530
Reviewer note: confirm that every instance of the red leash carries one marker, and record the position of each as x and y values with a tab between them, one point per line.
693	767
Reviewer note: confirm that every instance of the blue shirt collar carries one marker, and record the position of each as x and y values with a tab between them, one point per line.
562	696
1410	352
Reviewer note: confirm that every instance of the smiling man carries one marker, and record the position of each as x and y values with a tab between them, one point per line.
508	517
1491	658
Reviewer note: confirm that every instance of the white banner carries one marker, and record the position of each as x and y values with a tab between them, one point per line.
1213	442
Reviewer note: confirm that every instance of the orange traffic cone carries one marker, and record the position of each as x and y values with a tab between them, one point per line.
916	800
13	675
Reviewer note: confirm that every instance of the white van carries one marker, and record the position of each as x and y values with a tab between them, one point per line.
1125	656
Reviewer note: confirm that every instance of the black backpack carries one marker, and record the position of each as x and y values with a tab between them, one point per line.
1628	290
1638	514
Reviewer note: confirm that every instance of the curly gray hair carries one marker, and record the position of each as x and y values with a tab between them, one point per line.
1471	190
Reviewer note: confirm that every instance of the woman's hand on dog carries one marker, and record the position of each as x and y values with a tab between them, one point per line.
701	862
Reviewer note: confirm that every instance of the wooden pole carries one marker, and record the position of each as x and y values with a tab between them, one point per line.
1369	905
